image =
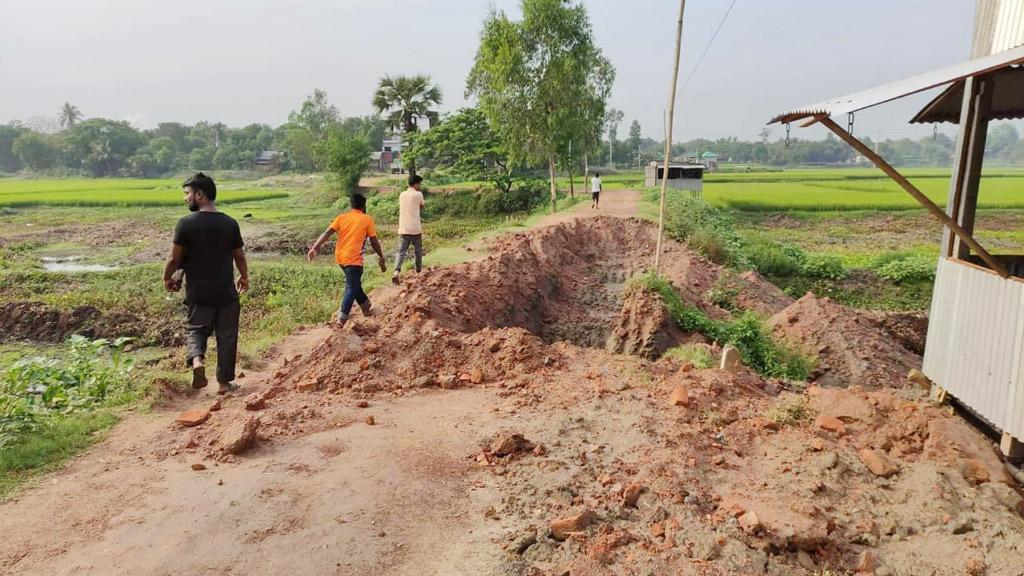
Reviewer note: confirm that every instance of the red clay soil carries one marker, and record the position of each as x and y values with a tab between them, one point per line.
455	433
42	323
850	347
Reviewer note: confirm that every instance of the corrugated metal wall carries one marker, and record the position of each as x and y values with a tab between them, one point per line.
998	26
976	342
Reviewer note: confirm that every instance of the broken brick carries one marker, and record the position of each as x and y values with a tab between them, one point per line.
631	494
562	528
192	417
680	396
878	464
831	423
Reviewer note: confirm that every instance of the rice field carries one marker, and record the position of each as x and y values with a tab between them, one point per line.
851	189
114	192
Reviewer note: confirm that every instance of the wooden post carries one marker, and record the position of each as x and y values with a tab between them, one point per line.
970	155
668	138
880	162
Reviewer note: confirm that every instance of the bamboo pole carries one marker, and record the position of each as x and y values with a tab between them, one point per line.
668	138
913	191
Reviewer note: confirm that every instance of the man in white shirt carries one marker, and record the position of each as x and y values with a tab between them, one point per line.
410	228
595	190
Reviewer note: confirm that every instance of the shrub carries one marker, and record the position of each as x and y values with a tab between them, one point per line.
696	354
913	268
705	228
823	266
774	259
746	332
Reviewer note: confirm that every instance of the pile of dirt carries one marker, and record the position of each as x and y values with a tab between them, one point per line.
909	328
34	321
849	347
644	327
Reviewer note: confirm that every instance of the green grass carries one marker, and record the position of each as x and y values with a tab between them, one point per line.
115	192
48	448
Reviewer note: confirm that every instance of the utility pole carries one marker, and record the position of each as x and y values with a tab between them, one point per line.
668	137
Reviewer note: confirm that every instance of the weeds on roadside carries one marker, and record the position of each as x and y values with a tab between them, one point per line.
746	332
790	411
696	354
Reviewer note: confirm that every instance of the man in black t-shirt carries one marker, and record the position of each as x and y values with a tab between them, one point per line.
206	244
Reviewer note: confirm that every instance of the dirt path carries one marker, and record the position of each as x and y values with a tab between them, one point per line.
617	203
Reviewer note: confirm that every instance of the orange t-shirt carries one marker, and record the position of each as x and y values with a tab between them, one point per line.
353	228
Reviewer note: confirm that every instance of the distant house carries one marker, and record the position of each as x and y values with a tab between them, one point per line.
268	160
681	176
708	159
389	158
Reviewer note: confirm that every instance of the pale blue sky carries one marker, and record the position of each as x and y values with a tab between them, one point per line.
243	61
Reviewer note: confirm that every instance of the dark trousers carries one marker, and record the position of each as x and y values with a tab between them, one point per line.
403	246
353	290
221	321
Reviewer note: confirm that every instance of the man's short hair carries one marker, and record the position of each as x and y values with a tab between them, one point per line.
596	175
200	181
415	179
359	202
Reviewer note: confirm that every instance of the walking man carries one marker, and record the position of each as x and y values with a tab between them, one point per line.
410	228
206	244
353	228
595	191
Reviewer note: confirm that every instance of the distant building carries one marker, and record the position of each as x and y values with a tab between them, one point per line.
708	159
389	158
681	176
268	160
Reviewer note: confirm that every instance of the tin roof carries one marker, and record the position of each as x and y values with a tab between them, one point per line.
907	86
1007	99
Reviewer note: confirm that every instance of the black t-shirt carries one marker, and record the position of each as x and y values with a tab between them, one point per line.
208	239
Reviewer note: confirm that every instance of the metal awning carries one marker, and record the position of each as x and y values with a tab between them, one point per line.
913	85
1007	99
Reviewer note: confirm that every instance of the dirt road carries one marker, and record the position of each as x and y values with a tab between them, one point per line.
478	426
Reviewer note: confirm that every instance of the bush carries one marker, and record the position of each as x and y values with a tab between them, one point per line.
704	228
774	259
696	354
746	332
95	373
345	155
914	268
823	266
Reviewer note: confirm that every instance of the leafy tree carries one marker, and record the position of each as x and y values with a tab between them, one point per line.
101	146
406	99
1001	140
69	115
345	155
634	138
464	145
299	145
373	127
9	161
541	82
201	158
159	156
611	120
317	115
37	151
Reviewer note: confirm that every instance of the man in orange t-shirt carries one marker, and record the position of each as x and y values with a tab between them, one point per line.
353	228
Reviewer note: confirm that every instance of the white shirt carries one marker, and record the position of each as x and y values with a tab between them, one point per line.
409	204
595	184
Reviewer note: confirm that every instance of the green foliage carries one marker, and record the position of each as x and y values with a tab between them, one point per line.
463	145
157	157
773	259
96	373
707	229
101	147
746	332
120	192
542	82
725	291
697	354
316	116
909	268
823	266
37	151
346	155
407	98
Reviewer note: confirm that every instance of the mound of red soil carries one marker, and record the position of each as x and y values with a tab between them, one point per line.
644	327
909	328
850	347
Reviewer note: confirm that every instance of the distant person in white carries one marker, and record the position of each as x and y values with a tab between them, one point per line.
410	228
595	191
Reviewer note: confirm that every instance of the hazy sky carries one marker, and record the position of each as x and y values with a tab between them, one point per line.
245	61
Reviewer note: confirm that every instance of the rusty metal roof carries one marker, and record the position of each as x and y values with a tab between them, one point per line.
907	86
1007	99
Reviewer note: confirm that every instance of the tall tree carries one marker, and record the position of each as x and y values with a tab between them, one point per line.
612	119
406	99
69	115
635	137
317	114
542	82
37	151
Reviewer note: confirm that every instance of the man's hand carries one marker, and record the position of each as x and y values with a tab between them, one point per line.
383	266
311	255
243	283
171	284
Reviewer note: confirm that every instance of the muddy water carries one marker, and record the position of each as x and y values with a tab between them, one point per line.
72	264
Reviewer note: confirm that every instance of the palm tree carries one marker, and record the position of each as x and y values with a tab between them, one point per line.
407	99
69	115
